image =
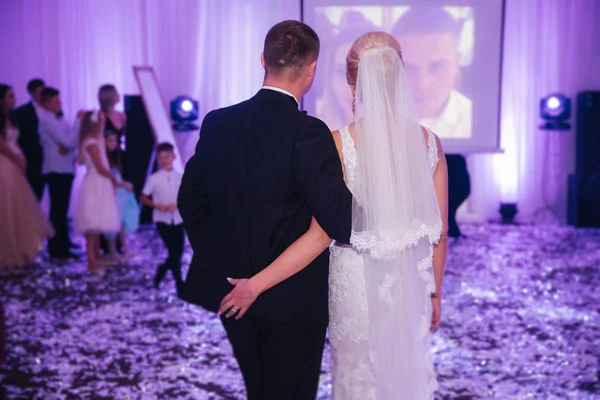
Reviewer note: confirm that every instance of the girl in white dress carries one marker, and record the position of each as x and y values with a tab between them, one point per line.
385	288
97	211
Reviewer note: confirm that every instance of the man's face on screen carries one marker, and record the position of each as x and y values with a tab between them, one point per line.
342	92
432	68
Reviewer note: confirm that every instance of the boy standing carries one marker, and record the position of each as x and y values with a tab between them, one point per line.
163	186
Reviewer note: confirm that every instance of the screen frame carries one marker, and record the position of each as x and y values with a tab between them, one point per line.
451	145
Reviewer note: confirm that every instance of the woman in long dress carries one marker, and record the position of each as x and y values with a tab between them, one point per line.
385	288
24	225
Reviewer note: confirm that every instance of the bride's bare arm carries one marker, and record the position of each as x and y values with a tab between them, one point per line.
440	182
294	259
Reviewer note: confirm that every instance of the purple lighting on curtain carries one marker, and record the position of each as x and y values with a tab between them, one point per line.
550	46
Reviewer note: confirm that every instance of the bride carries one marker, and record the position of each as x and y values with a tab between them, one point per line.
385	288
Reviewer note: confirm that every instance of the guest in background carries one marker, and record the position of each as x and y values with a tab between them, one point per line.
59	140
97	208
109	97
163	186
127	206
28	117
24	225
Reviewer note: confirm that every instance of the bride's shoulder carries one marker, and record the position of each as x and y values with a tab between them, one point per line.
337	138
432	140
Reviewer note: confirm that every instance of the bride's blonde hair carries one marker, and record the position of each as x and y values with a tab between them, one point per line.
92	126
366	42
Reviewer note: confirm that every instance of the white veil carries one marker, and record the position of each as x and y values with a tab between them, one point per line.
396	221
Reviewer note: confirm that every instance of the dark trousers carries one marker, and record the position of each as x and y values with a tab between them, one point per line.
37	181
278	360
173	236
459	188
59	186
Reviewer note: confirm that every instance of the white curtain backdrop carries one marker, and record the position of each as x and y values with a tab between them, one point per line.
210	50
549	46
207	49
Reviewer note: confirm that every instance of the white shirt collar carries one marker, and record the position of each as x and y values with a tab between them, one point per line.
280	90
39	110
449	114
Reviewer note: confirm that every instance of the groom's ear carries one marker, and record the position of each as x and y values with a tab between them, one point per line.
312	69
262	60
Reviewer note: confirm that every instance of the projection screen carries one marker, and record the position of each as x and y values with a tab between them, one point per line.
156	110
452	50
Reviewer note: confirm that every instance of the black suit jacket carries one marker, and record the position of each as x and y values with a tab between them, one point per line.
29	138
261	170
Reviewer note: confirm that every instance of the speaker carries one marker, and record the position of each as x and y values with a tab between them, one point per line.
584	201
139	149
588	133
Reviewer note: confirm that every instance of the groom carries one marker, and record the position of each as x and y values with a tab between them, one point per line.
261	170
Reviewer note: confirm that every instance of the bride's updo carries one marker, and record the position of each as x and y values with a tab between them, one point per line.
368	41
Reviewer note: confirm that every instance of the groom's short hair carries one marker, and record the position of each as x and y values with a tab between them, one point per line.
289	47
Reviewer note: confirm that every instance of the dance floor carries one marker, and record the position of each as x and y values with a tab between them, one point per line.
521	320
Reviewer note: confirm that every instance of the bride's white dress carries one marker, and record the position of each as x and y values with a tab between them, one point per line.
349	315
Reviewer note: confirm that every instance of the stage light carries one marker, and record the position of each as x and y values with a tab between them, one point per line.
187	106
508	211
184	110
555	109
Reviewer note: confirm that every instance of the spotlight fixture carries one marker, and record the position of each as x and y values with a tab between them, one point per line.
184	110
555	109
508	212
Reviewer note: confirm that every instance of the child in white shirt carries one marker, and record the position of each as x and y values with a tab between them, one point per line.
163	186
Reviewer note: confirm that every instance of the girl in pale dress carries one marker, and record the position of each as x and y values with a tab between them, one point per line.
24	225
97	212
385	288
127	205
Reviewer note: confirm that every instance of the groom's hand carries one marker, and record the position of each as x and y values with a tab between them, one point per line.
240	299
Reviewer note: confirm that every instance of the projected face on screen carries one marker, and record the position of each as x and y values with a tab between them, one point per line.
431	62
435	48
430	38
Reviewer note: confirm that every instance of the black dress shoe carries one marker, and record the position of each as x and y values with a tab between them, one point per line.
179	285
64	256
161	271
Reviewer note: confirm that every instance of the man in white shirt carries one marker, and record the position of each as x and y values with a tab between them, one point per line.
163	186
59	140
430	37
